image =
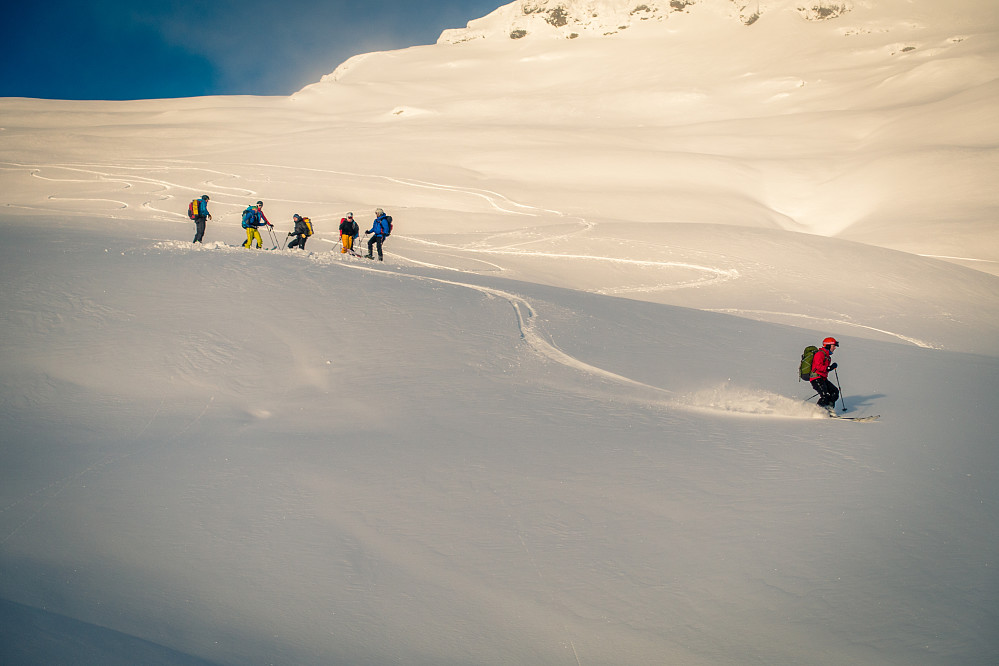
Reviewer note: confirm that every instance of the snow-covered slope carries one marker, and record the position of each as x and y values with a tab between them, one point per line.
253	457
559	423
853	126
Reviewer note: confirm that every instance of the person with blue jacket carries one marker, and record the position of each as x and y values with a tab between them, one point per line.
200	217
253	217
381	228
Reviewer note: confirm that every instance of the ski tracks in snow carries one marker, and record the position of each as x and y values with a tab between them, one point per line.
126	178
766	315
723	400
526	321
166	190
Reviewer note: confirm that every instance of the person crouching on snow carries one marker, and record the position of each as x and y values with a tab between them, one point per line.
303	229
819	377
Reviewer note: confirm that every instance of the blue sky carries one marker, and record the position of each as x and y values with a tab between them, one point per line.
142	49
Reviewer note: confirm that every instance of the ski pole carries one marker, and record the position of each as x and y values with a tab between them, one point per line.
842	399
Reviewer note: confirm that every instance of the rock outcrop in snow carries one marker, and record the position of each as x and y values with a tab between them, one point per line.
569	19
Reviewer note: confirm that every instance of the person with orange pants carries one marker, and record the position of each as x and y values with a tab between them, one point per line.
348	233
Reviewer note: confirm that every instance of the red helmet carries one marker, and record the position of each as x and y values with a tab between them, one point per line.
830	342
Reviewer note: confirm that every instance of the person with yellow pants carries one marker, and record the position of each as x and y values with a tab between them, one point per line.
253	217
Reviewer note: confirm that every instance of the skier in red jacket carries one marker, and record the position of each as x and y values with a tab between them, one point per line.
819	377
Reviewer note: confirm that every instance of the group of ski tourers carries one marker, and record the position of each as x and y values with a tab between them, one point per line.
816	362
253	218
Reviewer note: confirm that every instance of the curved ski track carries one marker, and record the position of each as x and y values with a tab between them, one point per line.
89	173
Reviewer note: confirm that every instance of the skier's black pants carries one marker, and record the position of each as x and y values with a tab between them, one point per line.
379	239
828	393
299	242
199	229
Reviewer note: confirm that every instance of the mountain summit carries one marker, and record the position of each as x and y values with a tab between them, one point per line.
569	19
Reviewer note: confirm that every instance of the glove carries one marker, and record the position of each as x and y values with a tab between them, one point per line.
290	234
833	366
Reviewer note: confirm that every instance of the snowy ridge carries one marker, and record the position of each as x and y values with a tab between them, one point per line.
570	19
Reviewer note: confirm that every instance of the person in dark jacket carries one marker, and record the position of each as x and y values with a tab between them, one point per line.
303	229
200	217
380	228
819	377
349	231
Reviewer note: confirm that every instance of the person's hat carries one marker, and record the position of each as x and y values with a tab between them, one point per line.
205	197
350	215
379	211
296	216
830	342
260	203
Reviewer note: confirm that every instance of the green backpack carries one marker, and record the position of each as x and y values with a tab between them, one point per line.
805	368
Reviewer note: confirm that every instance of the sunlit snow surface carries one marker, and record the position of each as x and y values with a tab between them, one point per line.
560	423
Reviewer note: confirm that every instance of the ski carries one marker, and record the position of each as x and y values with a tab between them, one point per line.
857	418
